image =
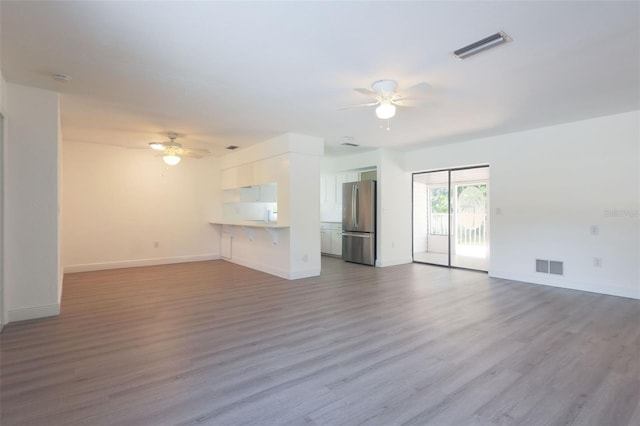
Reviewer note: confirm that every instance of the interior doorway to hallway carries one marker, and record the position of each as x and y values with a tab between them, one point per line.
451	218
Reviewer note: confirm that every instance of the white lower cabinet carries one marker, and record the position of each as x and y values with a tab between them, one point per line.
331	238
336	242
325	240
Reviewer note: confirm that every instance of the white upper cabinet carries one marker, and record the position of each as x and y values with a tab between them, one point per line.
328	189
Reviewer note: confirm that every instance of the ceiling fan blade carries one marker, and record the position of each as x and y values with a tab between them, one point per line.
202	151
361	105
409	101
416	89
367	92
191	154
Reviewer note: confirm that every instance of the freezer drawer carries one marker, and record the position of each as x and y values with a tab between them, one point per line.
359	247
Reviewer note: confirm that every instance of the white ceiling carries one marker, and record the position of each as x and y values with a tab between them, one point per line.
224	73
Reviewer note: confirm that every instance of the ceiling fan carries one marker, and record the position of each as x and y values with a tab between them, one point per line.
387	98
173	151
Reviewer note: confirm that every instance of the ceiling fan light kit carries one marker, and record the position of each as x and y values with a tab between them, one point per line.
173	151
171	159
481	45
385	110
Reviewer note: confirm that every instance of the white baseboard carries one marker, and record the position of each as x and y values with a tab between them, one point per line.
307	273
140	262
34	312
278	272
393	262
572	285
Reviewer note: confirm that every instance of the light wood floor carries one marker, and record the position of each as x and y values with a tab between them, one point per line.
216	343
468	262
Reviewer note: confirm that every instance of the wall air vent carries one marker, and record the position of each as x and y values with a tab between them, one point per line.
232	147
480	45
542	266
556	267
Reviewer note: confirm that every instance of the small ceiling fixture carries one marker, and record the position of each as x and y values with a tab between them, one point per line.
480	45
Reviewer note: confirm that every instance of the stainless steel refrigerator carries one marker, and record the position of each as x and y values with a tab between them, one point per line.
359	222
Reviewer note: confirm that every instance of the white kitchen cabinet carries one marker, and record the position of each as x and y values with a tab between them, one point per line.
336	242
340	179
331	238
352	176
325	241
330	189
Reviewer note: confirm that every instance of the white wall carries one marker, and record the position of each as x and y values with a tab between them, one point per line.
394	210
31	262
304	253
550	185
3	112
119	202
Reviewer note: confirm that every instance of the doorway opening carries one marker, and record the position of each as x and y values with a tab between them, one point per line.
451	218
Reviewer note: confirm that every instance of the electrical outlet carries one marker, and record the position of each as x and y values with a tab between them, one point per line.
498	210
594	230
597	262
156	244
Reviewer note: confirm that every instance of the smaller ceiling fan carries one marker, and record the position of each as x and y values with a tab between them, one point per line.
387	98
173	151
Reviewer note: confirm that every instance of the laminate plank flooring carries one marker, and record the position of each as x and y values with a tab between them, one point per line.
215	343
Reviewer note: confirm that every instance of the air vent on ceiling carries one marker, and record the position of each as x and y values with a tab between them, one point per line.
232	147
480	45
349	144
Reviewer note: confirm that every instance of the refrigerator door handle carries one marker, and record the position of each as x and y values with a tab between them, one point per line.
358	235
357	203
353	206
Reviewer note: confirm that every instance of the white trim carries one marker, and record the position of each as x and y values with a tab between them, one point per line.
34	312
140	262
306	273
393	262
278	272
572	285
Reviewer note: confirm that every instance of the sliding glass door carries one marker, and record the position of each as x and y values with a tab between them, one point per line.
431	218
450	218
